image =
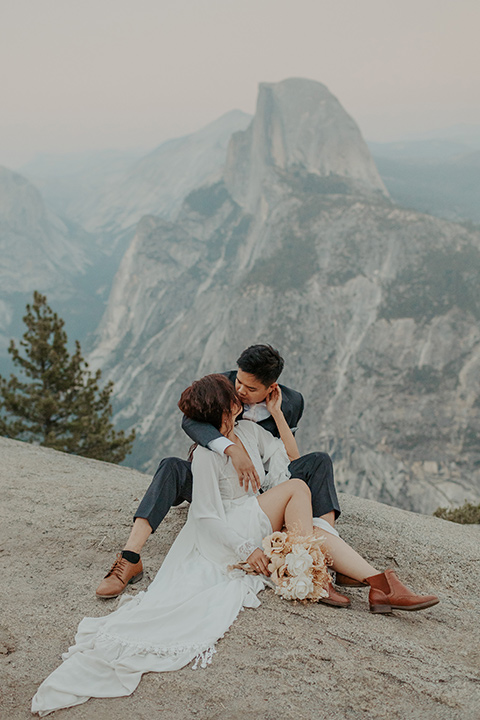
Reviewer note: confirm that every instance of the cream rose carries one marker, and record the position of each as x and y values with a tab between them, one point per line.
297	588
301	586
299	561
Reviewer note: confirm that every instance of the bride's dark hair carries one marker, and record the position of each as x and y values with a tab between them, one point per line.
208	399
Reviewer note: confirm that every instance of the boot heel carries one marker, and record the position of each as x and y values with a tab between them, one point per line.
380	608
136	578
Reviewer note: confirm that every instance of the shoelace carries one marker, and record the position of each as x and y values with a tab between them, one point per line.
118	568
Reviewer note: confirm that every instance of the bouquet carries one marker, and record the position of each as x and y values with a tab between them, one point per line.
298	565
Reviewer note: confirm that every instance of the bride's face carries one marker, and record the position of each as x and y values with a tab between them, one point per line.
230	417
237	409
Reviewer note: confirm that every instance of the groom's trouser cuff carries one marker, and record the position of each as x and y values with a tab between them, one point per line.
171	485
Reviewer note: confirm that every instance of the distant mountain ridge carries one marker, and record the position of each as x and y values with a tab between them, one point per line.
157	182
447	187
438	173
32	237
38	251
64	180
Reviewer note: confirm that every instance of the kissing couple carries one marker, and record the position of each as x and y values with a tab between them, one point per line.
246	481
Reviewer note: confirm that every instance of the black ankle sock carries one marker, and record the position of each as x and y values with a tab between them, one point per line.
131	556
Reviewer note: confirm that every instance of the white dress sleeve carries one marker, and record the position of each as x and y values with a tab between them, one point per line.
274	457
215	539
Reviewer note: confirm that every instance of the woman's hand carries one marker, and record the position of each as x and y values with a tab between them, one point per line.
274	400
247	475
258	561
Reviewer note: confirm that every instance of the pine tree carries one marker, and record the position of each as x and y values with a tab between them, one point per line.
62	406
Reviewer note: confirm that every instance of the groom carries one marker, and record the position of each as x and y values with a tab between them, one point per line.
259	366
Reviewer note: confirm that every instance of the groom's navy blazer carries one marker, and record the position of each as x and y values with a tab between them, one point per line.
292	407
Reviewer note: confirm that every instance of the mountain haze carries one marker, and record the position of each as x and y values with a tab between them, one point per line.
65	180
101	197
438	173
448	187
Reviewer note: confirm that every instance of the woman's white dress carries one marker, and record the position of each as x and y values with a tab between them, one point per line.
193	599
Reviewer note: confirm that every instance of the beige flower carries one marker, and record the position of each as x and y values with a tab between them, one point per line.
284	592
275	566
274	543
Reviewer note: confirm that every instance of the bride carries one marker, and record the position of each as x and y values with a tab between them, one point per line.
196	595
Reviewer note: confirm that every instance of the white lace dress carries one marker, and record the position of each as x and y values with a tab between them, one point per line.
193	599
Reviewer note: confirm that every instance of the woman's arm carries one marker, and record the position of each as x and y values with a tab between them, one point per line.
204	434
274	406
214	536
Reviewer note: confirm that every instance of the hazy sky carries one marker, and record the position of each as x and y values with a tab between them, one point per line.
89	74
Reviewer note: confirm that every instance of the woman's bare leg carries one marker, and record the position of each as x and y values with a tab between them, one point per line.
289	504
346	560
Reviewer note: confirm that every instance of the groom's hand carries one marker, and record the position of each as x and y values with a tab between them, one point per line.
247	475
273	400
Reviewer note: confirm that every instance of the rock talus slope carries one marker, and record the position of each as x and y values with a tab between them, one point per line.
375	308
63	518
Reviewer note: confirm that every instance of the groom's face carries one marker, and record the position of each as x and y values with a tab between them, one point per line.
249	389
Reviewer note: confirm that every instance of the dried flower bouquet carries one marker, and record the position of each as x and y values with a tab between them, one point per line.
298	565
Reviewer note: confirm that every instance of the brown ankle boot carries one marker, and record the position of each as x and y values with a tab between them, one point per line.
387	593
334	598
346	581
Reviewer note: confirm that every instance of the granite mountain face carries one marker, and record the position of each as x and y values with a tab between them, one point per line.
296	242
298	123
375	308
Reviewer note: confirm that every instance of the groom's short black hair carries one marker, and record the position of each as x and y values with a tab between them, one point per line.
262	361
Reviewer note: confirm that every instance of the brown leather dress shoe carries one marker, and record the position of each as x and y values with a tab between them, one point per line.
334	598
347	581
121	574
387	593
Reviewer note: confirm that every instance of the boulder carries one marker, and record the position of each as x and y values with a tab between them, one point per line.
62	520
